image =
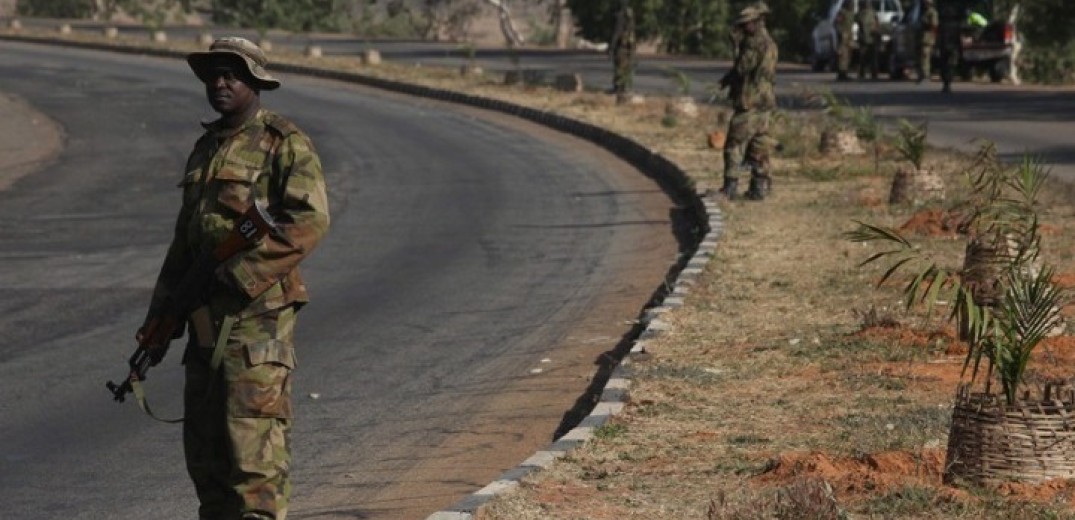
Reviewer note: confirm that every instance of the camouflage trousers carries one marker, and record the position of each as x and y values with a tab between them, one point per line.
925	53
236	432
748	143
623	71
843	56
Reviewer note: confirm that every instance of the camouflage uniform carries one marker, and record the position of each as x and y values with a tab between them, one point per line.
238	417
623	50
750	85
927	38
845	30
870	38
948	36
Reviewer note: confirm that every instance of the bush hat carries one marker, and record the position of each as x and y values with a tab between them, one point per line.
748	14
246	51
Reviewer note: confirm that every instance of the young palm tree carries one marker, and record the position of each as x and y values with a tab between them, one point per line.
1003	304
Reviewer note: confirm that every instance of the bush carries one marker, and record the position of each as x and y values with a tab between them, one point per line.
56	8
1049	65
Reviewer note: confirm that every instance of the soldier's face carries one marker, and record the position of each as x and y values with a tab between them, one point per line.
228	89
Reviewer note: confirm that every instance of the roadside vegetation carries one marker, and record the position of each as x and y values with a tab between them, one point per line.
791	385
690	27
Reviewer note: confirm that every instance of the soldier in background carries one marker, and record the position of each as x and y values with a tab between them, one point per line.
750	89
927	37
240	352
869	39
845	31
622	48
948	36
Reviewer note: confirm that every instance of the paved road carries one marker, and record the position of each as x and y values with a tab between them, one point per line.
476	269
1019	119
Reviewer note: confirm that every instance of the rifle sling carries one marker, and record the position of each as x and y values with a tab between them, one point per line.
214	365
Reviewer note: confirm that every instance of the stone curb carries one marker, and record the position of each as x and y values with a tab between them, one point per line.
704	211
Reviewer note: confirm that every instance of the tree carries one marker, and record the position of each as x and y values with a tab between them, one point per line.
290	15
680	26
56	8
507	25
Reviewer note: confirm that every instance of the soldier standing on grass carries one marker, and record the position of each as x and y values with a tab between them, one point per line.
927	38
623	51
845	30
240	352
750	88
870	39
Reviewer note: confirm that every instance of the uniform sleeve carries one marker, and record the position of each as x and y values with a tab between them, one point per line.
301	214
748	62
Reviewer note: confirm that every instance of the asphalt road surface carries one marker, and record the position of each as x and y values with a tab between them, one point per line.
476	269
1021	120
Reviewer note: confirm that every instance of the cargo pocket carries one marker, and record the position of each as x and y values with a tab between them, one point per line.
262	385
234	186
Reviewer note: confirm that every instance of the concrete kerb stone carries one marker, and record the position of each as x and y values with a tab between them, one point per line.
615	395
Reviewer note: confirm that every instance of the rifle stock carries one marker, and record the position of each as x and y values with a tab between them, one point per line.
249	229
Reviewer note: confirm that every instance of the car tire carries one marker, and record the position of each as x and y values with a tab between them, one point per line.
817	63
966	72
1000	70
895	70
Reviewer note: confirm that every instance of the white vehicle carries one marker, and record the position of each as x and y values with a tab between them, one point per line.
825	40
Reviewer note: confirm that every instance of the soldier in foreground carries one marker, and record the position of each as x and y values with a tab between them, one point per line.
622	48
240	352
750	88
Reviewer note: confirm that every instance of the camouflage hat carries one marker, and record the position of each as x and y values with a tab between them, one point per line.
762	7
245	50
748	14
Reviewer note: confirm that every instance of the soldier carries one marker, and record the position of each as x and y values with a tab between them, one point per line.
927	37
750	88
948	44
845	30
870	39
623	50
240	353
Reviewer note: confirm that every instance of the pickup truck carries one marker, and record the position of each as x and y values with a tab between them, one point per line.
982	48
825	41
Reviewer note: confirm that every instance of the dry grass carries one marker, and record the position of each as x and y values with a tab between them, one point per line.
790	386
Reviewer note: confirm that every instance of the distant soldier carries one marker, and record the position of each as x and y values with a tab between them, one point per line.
869	39
622	48
845	31
927	38
948	36
750	88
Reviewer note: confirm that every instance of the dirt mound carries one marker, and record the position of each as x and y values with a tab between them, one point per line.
853	475
1050	491
912	337
934	223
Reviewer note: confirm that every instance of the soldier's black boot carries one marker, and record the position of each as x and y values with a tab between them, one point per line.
758	185
730	190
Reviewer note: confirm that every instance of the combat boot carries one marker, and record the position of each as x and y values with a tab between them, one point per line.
757	188
730	190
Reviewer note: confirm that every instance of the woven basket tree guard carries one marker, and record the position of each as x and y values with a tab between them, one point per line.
992	442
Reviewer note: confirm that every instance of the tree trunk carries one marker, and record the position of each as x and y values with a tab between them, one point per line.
1017	46
563	23
507	26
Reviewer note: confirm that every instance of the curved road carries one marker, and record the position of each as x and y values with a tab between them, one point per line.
1038	120
476	269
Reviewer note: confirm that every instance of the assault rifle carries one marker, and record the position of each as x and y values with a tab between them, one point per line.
153	345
